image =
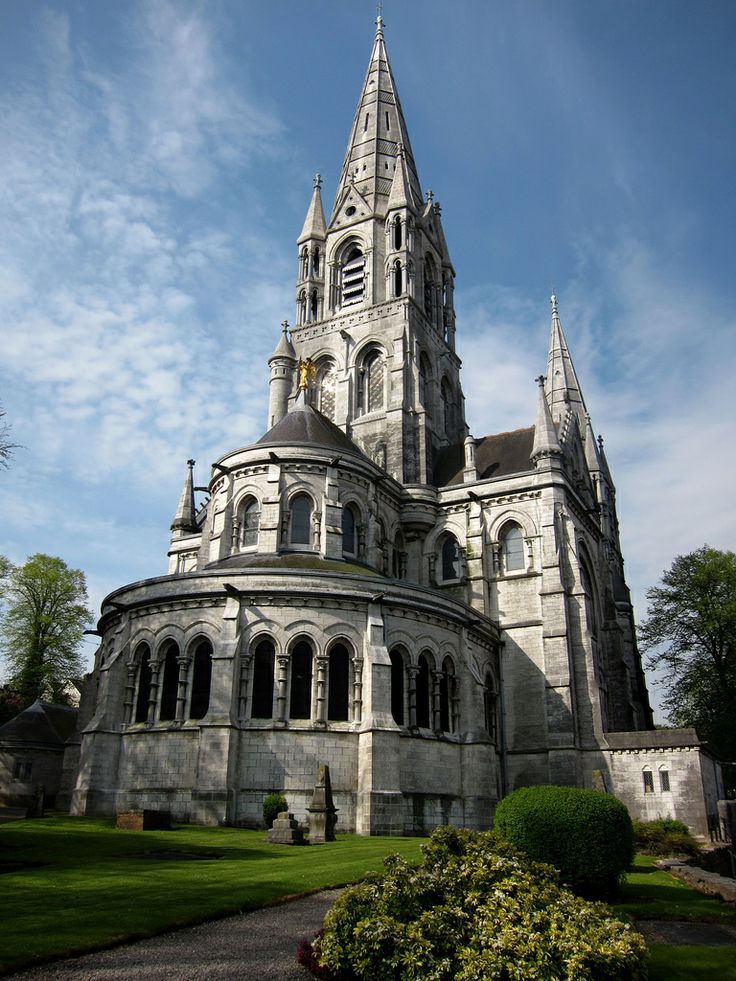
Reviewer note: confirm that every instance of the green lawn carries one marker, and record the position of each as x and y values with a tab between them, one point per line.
74	884
93	885
650	894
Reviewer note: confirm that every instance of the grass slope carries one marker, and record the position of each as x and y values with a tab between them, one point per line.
95	886
651	894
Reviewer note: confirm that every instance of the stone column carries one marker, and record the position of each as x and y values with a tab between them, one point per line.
321	664
436	701
183	661
129	692
281	679
357	689
412	671
153	692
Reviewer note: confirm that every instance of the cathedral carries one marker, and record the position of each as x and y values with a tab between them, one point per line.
441	617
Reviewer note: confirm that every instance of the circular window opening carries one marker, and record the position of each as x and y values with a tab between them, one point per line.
350	211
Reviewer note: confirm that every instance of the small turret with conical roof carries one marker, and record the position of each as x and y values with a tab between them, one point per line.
546	446
185	519
310	285
282	365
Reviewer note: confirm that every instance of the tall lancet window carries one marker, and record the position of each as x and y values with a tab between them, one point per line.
430	279
397	232
353	277
374	376
398	278
326	385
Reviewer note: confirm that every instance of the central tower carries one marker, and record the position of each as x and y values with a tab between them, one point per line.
374	296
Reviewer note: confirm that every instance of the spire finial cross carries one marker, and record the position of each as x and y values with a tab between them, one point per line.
379	18
284	325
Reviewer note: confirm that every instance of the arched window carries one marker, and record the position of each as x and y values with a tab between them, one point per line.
315	261
304	263
397	687
326	386
143	655
349	542
201	680
301	308
300	704
373	378
590	607
490	702
664	780
398	279
447	695
263	659
648	778
397	232
424	376
353	277
339	684
249	517
512	548
450	555
170	683
430	278
446	405
423	691
301	520
313	306
398	556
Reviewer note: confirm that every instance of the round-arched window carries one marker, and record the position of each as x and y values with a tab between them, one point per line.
301	520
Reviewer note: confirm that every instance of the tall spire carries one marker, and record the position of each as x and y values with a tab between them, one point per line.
185	519
562	388
314	223
378	129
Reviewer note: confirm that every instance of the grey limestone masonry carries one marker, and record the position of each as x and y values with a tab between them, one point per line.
438	617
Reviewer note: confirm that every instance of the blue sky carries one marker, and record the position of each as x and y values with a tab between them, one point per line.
156	162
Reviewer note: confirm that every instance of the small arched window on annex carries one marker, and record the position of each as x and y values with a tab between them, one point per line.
450	560
249	519
338	683
448	696
647	779
300	696
326	387
372	381
264	656
398	685
201	679
143	693
664	779
169	657
423	692
352	276
490	706
349	530
511	540
430	281
301	508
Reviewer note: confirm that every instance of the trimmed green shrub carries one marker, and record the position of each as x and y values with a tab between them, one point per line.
664	836
585	834
273	805
475	908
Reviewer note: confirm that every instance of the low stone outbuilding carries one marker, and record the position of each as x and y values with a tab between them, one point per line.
32	753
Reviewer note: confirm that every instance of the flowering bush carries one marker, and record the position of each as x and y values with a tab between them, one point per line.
585	834
474	909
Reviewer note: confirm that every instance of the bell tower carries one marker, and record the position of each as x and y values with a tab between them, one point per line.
374	290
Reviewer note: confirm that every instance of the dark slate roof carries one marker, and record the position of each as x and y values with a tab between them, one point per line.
499	455
43	723
290	560
305	426
652	739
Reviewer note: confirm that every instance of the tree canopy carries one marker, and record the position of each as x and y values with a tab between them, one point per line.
43	619
690	631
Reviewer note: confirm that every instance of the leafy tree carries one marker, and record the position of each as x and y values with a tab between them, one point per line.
41	626
690	630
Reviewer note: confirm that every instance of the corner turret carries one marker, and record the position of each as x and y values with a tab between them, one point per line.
282	365
185	519
310	285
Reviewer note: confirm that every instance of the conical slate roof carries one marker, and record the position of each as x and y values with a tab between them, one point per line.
303	425
314	223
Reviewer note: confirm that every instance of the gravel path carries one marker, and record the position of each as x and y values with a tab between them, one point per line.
257	946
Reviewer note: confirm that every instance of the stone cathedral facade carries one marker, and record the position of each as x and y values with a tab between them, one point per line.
440	617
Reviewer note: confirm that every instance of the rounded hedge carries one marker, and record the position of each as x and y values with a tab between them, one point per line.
273	805
586	834
474	908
